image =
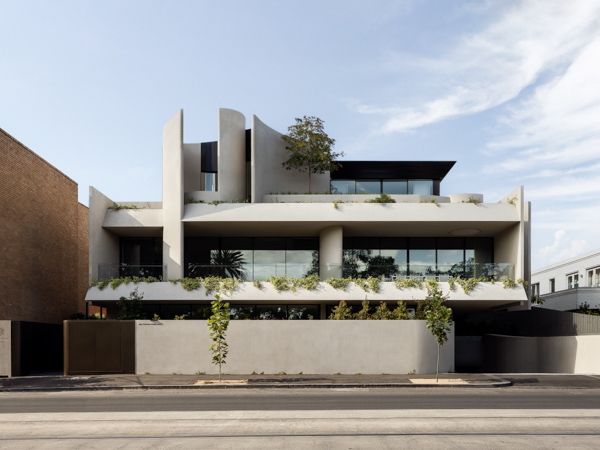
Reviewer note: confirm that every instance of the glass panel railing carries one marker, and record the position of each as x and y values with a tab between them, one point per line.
440	272
250	272
108	271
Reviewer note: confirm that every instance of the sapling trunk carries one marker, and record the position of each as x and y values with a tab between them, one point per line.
437	369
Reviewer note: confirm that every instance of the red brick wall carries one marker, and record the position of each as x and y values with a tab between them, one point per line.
42	263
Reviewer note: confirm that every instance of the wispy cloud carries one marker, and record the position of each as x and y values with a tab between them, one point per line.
562	248
489	68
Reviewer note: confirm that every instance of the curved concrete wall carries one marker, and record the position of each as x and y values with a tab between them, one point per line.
268	175
271	346
231	155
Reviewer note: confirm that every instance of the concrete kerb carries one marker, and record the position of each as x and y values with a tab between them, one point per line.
496	384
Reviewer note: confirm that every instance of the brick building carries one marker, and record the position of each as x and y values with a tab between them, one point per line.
43	238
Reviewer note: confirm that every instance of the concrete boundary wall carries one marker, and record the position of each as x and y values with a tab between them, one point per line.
560	354
311	347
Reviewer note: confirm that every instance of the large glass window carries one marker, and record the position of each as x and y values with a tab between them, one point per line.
395	187
251	258
140	257
422	263
368	187
343	186
420	187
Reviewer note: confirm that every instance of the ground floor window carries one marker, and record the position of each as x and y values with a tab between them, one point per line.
167	311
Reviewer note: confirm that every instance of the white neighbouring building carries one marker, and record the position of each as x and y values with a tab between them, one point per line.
229	208
569	284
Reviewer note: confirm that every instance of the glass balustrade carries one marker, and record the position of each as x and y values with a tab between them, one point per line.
108	271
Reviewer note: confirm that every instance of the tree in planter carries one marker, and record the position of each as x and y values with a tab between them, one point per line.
218	323
438	318
310	148
364	313
130	308
400	312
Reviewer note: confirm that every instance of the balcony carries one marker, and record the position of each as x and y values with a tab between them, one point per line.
107	271
387	272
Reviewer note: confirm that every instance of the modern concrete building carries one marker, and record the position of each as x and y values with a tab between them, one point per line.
569	284
230	209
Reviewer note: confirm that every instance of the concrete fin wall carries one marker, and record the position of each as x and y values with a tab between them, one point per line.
231	182
268	175
173	195
103	244
310	347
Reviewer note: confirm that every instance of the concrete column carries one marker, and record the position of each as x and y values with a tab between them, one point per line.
330	252
231	181
173	196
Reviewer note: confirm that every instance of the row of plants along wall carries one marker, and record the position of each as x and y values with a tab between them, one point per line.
283	283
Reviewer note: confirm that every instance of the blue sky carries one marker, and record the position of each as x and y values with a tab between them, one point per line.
508	89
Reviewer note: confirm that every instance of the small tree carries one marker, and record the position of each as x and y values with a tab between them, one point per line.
310	148
439	318
218	323
341	312
130	308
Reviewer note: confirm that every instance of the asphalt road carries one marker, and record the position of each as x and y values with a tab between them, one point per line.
299	399
501	418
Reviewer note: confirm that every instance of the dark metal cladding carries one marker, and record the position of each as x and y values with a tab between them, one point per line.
404	170
208	157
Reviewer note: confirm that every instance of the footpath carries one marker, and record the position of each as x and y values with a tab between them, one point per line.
56	382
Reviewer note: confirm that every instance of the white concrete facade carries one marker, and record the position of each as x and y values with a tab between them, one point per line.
569	284
256	197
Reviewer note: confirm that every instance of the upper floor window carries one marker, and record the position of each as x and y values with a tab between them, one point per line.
594	277
572	281
535	290
420	187
374	186
552	285
208	181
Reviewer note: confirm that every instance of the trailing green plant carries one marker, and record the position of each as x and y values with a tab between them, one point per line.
155	318
117	207
405	283
429	201
473	200
193	200
283	283
339	283
361	283
383	198
116	282
341	312
373	283
130	308
257	284
217	324
282	373
438	319
336	203
181	317
431	285
509	283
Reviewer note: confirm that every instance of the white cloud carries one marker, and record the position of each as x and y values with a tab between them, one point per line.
562	248
493	66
